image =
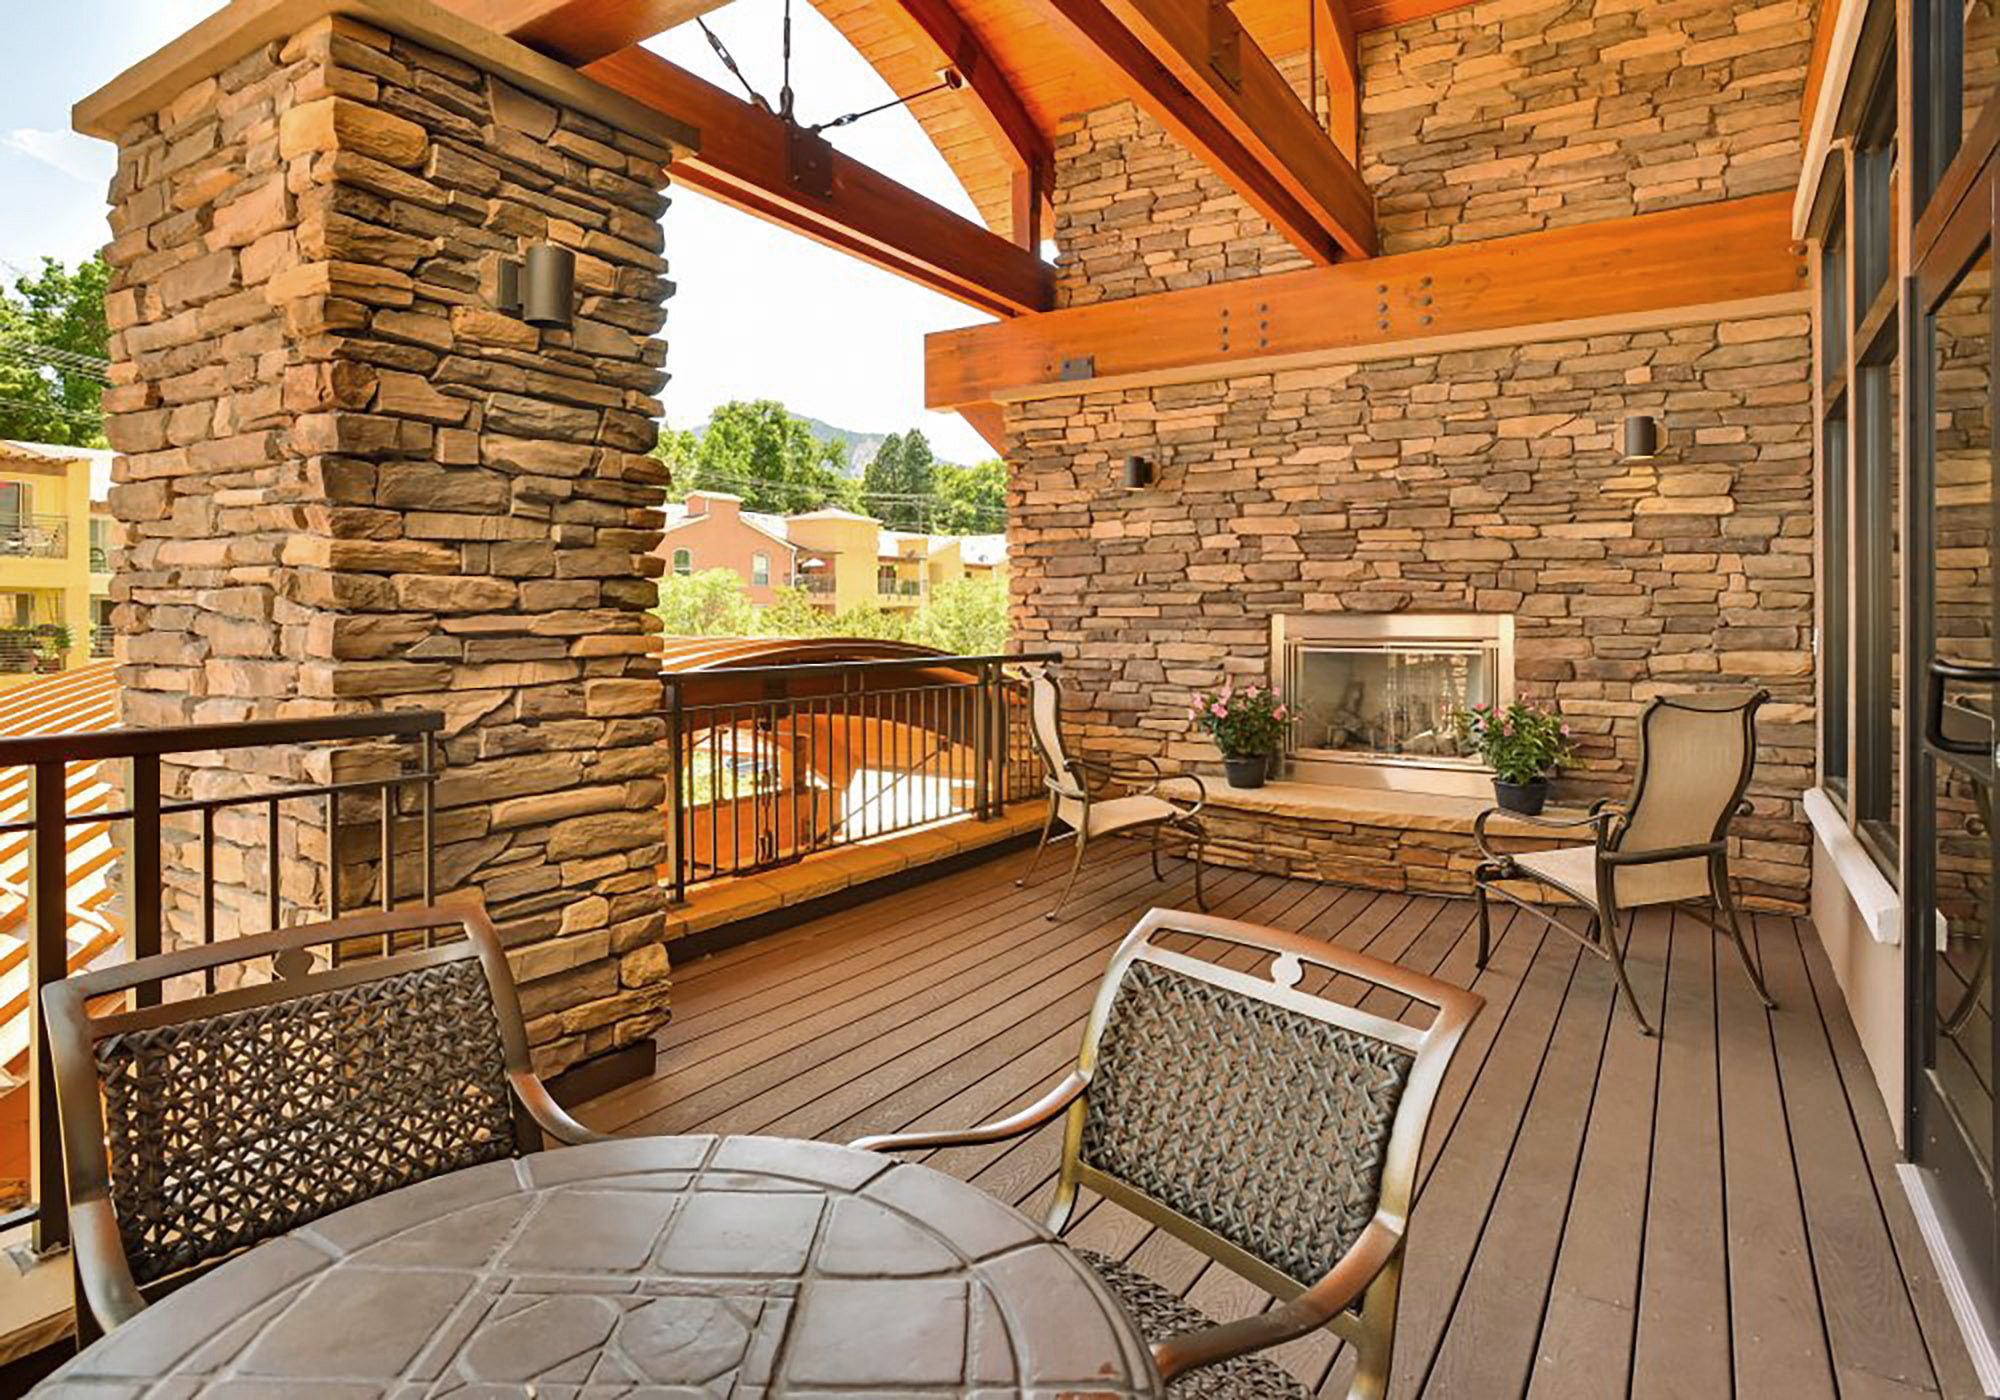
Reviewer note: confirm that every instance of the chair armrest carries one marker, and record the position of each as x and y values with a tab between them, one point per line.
1026	1121
106	1274
1311	1310
549	1115
1200	793
1119	773
1594	818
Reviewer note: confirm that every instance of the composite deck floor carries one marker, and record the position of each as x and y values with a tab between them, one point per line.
1711	1213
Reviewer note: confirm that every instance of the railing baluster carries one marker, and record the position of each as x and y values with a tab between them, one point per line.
427	804
148	884
681	772
272	835
48	961
388	850
208	886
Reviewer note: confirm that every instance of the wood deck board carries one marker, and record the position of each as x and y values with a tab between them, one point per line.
1712	1213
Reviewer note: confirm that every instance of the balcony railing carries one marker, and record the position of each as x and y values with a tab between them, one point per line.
103	640
34	537
820	583
838	753
83	894
898	587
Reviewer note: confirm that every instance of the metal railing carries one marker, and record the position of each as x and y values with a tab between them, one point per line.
103	640
836	753
819	581
899	587
168	854
34	536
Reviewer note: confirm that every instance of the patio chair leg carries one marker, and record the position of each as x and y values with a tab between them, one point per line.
1048	825
1075	869
1200	896
1728	903
1608	937
1485	924
1158	827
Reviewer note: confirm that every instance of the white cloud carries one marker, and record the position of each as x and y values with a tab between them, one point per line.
78	157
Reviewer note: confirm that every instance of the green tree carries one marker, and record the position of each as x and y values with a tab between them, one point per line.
53	342
967	616
708	604
756	450
971	500
897	487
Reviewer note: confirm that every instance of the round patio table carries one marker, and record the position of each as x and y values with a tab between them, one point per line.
683	1266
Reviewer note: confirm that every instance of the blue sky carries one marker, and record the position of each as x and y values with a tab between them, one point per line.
760	313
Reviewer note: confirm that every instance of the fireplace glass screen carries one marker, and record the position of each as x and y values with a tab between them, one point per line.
1388	701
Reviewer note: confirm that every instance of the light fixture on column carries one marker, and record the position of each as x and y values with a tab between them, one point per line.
1138	473
1642	437
540	290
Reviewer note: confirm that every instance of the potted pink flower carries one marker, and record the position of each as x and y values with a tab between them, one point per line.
1524	744
1248	725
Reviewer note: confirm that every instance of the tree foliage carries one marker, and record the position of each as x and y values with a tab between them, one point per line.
967	617
52	391
757	450
899	485
708	604
971	500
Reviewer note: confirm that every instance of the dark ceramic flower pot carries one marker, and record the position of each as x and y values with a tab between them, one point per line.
1525	798
1247	771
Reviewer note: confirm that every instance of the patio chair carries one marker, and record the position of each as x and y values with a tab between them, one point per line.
1272	1128
1090	814
1668	843
193	1129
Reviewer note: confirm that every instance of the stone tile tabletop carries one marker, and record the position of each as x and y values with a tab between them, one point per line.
673	1268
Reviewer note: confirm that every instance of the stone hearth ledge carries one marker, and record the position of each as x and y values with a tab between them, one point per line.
1409	811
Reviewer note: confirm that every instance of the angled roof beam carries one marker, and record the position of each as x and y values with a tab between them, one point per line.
747	159
997	109
1340	68
580	31
1190	64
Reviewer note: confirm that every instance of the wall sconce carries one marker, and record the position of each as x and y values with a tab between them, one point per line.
1642	438
1138	473
541	290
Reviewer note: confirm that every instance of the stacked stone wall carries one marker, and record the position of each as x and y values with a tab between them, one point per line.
347	483
1479	480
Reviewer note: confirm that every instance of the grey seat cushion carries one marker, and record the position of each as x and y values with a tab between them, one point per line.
1161	1315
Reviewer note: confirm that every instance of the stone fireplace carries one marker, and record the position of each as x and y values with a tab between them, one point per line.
1374	695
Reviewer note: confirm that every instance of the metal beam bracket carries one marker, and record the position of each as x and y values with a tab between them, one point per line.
808	161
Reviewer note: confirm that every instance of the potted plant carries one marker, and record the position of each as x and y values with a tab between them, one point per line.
52	641
1523	744
1248	725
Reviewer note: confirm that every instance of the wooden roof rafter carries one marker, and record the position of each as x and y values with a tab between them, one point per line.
580	31
997	108
1195	69
745	160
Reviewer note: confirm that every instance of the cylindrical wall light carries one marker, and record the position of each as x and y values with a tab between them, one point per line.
1642	438
548	287
1138	473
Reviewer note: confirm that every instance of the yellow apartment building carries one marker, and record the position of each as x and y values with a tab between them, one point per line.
55	541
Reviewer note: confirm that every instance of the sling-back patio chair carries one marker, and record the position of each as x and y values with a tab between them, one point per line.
1080	794
1668	843
195	1128
1274	1129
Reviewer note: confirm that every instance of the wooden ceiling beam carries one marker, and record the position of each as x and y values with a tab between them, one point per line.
1638	271
1190	64
580	31
995	106
745	161
1340	67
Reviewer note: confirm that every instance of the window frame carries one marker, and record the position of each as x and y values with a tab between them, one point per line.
683	562
760	569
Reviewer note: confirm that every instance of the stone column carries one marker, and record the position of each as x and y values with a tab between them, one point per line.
348	483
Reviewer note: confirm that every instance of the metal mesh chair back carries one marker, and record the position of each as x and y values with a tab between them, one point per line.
1264	1125
227	1129
374	1056
1696	754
